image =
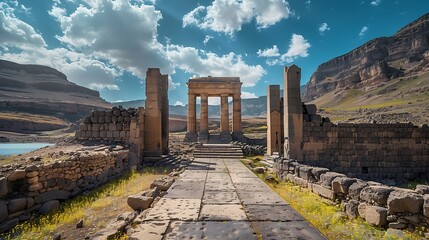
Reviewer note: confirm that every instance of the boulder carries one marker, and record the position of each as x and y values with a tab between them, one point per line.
305	173
259	169
376	195
139	203
352	208
327	178
153	193
422	189
16	175
426	205
342	184
322	191
16	205
355	189
397	225
49	207
374	215
400	201
3	211
3	187
162	183
52	195
317	171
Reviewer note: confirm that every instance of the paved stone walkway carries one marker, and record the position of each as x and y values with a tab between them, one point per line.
222	199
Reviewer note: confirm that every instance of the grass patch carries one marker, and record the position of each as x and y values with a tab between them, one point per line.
96	208
324	215
257	129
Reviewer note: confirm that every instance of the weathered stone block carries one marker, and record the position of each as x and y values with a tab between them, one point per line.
426	205
422	189
342	184
375	195
317	171
52	195
17	204
322	191
49	207
305	172
400	201
32	174
3	211
139	203
355	189
16	175
352	208
327	178
376	215
3	187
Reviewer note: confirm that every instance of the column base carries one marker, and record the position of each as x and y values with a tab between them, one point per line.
190	137
226	137
238	136
203	137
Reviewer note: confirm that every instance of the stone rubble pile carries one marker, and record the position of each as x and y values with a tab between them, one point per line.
251	150
41	187
378	204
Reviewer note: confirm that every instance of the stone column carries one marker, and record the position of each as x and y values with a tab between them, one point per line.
165	124
153	126
236	113
273	120
224	114
293	117
204	119
191	134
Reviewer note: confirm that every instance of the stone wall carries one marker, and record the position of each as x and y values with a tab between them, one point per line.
368	151
378	204
41	187
112	125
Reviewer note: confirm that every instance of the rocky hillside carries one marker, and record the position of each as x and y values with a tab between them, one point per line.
38	95
404	54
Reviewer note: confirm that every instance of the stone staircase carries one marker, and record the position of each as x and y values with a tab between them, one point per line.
169	161
217	151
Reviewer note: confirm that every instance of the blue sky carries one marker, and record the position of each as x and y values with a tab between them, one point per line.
108	45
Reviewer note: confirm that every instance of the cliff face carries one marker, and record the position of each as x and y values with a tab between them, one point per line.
42	90
404	54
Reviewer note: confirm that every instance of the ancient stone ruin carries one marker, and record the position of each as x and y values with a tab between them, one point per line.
222	87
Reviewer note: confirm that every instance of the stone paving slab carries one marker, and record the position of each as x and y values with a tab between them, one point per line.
235	175
175	209
266	197
288	230
185	189
282	213
251	186
220	197
216	212
218	176
153	230
219	186
255	180
195	175
210	230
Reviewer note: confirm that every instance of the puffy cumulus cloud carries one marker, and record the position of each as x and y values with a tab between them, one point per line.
269	52
99	86
204	63
298	47
78	68
246	95
16	33
363	31
323	28
120	32
179	103
228	16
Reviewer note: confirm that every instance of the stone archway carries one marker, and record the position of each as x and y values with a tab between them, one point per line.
222	87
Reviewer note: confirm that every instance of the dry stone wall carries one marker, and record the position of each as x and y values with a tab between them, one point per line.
378	204
113	125
41	187
367	151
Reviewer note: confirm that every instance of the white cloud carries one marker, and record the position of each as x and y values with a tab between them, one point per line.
323	28
228	16
214	101
298	47
103	30
204	63
99	86
207	39
16	33
179	103
246	95
269	52
363	31
375	2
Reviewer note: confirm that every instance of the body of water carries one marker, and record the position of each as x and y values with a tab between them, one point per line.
20	148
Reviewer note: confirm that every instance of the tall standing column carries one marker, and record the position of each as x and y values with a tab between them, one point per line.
192	120
165	124
224	114
236	113
152	116
204	119
273	120
293	117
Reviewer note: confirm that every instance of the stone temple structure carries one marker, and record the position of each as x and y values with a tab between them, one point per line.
205	87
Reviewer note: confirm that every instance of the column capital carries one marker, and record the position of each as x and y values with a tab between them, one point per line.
224	95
